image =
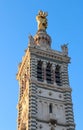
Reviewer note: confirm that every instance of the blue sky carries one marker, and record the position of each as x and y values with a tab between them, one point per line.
17	21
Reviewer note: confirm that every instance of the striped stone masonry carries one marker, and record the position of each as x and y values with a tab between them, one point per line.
45	101
69	110
32	107
33	67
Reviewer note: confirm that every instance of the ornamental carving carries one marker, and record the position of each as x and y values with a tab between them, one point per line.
42	20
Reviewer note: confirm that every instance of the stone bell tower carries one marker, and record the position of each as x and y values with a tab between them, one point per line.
45	101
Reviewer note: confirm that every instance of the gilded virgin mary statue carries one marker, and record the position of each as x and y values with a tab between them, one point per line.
42	20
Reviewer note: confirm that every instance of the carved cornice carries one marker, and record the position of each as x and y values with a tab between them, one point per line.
49	53
51	86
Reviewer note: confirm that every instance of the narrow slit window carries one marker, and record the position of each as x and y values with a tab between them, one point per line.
48	73
39	71
50	108
58	75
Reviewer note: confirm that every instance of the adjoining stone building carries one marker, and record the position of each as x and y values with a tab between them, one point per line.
45	101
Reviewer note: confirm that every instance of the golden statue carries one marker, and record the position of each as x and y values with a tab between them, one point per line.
42	20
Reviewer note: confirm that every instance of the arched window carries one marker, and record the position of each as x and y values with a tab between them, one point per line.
39	71
50	108
58	75
48	73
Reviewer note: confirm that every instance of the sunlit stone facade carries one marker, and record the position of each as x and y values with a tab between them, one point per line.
45	101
